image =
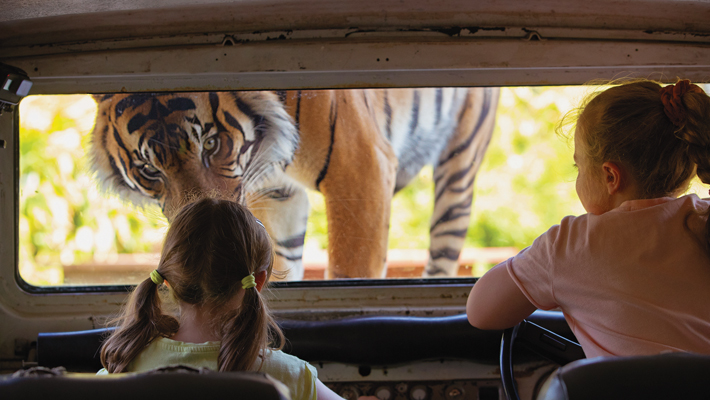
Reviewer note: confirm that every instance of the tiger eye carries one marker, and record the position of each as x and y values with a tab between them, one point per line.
150	169
210	143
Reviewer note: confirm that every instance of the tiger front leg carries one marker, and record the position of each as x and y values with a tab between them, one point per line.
358	193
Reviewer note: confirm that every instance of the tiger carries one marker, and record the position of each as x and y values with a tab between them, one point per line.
357	147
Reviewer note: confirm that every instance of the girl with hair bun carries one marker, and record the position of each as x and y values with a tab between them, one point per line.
632	276
215	261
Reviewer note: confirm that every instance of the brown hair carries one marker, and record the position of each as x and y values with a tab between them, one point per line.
210	246
628	124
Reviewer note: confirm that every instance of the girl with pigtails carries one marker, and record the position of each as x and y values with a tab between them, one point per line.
632	276
215	261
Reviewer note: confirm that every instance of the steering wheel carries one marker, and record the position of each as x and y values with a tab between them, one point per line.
542	341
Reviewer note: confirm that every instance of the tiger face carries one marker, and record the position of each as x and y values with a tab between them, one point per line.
165	147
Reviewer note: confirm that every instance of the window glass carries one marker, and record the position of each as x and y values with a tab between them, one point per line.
73	231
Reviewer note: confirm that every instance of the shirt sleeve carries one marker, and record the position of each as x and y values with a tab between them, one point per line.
309	382
533	268
298	375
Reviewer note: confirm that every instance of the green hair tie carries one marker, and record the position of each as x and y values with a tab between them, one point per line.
248	281
156	277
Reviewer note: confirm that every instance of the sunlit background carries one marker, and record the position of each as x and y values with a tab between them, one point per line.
71	234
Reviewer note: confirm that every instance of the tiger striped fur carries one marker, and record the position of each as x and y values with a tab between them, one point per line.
357	147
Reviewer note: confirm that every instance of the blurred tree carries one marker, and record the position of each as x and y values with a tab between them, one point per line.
63	218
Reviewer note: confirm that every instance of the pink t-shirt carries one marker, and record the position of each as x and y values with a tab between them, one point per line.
632	281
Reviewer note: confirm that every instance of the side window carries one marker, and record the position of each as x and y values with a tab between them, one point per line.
478	174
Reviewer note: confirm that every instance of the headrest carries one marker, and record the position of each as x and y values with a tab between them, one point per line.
663	376
174	383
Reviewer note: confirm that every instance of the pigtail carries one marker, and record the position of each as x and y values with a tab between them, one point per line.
248	334
140	322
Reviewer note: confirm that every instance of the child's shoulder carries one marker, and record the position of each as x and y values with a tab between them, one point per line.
697	201
690	200
281	358
298	375
282	363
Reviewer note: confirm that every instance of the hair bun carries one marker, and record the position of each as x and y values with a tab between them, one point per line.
672	96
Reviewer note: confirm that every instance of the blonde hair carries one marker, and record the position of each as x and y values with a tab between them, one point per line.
210	246
628	124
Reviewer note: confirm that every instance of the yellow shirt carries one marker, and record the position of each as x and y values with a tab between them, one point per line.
298	375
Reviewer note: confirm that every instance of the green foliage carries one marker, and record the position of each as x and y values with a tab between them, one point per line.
64	220
526	182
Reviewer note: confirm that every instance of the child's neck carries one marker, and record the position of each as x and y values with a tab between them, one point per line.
196	325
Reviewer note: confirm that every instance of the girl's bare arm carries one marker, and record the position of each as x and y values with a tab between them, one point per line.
496	302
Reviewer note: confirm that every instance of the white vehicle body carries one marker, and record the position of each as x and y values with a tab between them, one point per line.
198	45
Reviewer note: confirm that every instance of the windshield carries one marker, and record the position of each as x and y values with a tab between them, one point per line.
95	188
